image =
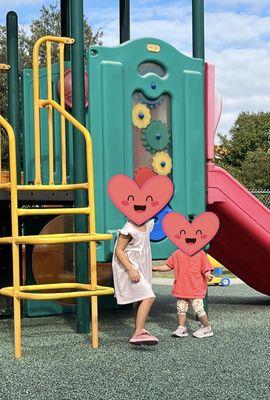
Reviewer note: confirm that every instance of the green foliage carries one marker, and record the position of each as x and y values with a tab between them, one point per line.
246	156
255	171
49	23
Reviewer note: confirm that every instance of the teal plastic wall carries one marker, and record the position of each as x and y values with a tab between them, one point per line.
28	129
113	78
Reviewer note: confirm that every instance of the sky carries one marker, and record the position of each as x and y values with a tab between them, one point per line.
237	40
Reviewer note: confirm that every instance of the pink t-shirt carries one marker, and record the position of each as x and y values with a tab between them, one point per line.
189	279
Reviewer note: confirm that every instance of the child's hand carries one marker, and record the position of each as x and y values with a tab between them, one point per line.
208	276
134	275
161	268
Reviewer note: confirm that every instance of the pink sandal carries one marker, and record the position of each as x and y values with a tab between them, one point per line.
144	338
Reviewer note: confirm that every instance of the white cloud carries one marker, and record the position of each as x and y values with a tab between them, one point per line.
242	79
12	3
237	42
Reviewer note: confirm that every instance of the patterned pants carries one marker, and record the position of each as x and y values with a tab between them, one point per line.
197	305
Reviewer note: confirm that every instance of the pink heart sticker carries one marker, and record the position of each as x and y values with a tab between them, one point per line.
139	204
190	237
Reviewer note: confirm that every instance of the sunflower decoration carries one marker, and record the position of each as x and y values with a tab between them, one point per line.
162	163
141	116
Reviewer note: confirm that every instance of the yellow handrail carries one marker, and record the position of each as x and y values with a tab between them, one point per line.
90	178
15	233
48	40
3	67
62	120
77	289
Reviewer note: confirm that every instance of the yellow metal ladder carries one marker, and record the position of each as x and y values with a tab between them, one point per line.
66	290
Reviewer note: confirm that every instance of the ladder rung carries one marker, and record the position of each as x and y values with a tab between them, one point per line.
53	211
81	290
58	238
70	186
5	185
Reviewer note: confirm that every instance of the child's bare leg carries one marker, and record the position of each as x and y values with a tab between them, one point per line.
198	308
182	307
136	311
204	320
142	314
182	319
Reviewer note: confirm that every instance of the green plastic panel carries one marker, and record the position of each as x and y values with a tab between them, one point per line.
114	77
28	129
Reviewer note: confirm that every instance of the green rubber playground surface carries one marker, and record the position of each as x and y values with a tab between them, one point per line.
60	364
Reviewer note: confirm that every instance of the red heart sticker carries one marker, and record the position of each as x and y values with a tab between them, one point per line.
139	204
190	237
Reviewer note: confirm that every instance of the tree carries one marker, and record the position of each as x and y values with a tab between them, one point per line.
245	153
256	169
47	24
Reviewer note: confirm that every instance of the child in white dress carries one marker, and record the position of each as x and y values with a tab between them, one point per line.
132	273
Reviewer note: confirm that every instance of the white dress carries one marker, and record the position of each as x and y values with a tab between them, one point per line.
138	252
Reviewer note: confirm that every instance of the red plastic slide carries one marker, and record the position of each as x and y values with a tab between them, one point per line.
243	241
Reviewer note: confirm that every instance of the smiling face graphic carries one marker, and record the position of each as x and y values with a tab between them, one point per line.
140	208
190	237
196	236
139	204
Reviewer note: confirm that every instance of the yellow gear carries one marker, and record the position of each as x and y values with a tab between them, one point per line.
162	163
141	116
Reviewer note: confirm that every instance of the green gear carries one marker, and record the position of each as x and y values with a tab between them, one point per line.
156	137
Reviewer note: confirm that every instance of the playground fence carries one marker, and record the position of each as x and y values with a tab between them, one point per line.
263	195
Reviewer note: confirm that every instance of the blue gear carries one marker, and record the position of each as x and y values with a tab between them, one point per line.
158	233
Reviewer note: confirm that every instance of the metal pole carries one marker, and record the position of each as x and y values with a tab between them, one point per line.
13	84
198	52
124	20
198	28
78	111
65	25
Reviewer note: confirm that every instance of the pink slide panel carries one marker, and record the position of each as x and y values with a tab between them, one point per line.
213	108
243	241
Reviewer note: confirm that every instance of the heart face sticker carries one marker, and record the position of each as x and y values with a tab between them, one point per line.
190	237
139	204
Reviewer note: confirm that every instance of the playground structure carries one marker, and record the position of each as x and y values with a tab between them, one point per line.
152	110
54	291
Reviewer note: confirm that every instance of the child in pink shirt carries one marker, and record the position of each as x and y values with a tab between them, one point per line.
191	274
